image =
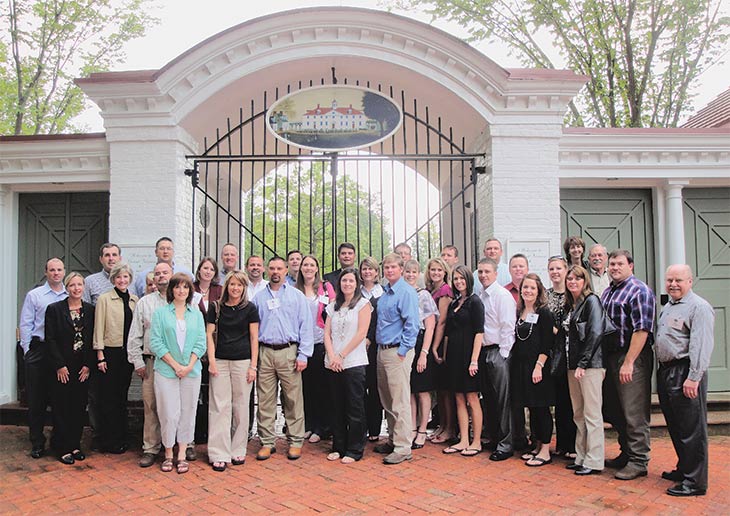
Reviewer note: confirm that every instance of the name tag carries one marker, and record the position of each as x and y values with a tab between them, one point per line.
324	299
676	323
532	318
273	304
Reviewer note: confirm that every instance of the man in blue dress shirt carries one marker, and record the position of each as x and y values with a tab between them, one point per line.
395	335
285	344
38	370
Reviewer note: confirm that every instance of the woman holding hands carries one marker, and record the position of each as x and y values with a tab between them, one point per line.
348	319
177	341
233	348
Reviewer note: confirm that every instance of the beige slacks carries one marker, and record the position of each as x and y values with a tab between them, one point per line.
586	396
280	366
177	403
394	387
228	399
151	436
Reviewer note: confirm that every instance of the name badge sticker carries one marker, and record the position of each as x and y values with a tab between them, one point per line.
273	304
677	323
532	318
324	299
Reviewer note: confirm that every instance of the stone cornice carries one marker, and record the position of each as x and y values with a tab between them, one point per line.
197	74
57	160
645	153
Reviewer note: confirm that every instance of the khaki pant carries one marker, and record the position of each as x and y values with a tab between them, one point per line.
280	366
151	436
586	396
228	400
394	387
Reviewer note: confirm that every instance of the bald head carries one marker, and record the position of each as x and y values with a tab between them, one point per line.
678	281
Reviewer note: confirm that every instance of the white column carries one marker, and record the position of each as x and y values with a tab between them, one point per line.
674	236
8	293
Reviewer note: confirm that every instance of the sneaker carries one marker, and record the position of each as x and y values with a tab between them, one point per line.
396	458
631	471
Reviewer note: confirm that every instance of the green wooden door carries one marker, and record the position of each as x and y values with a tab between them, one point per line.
707	236
70	226
614	218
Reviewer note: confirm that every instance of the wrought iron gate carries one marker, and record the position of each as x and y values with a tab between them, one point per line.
267	197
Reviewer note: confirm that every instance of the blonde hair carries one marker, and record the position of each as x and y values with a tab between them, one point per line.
441	263
242	278
118	269
70	276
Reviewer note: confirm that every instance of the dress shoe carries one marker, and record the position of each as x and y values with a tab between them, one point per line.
66	459
147	460
78	455
294	452
617	462
265	452
674	475
37	453
396	458
685	490
384	448
574	467
500	455
587	471
190	454
630	472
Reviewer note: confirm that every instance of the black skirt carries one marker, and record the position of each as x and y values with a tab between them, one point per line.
422	382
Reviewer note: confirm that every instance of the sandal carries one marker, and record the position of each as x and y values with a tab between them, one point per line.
218	466
374	438
238	461
166	465
452	449
182	467
347	460
470	452
314	438
527	456
441	438
537	462
569	455
333	456
416	445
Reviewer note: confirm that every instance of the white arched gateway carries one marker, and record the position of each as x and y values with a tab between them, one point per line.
502	126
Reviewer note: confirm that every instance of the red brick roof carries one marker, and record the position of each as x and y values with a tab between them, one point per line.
714	114
324	110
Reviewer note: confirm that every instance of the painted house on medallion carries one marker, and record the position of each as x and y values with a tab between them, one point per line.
334	119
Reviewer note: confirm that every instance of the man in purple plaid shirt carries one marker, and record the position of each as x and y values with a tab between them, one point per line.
630	304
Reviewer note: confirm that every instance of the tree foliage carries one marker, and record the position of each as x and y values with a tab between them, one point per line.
293	209
45	44
641	56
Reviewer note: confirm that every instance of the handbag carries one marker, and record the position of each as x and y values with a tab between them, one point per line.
558	360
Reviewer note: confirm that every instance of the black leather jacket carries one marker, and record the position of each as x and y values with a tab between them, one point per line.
585	335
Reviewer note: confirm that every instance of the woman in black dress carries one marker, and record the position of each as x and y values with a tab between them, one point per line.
69	332
464	334
530	387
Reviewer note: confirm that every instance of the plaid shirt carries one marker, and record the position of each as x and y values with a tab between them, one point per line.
630	305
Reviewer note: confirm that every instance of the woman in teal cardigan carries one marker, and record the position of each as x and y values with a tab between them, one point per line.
177	341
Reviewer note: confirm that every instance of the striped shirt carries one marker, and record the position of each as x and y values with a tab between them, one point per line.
630	305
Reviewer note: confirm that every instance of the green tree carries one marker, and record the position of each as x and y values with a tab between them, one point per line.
285	198
641	56
45	44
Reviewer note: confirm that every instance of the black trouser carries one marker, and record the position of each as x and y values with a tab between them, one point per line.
38	377
348	413
69	402
541	424
494	369
686	421
113	391
316	395
373	407
565	429
95	416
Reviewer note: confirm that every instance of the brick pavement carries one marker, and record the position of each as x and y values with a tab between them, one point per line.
431	482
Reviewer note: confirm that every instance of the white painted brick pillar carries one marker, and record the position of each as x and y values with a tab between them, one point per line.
519	198
150	195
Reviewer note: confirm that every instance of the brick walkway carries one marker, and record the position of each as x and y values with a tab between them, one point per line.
431	482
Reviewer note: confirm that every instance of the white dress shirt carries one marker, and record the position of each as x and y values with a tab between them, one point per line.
500	316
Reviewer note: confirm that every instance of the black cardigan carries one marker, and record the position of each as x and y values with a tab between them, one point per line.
585	335
60	333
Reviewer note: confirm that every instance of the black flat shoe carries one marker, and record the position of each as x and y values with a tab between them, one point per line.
66	459
574	467
500	455
586	471
674	475
78	455
685	490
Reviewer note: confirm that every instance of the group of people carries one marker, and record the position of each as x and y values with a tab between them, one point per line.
340	349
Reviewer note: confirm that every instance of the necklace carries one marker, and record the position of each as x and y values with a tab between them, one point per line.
340	324
517	330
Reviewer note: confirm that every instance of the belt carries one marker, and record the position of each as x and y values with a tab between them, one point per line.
278	346
490	346
675	362
147	357
388	346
